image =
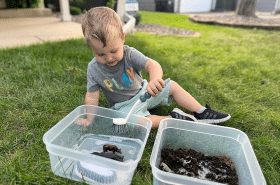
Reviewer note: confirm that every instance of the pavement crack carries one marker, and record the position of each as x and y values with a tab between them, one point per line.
39	38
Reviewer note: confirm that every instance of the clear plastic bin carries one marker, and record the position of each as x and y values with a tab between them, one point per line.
70	146
210	140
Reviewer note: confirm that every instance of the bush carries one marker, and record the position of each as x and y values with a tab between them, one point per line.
75	10
138	18
111	4
55	3
78	3
14	4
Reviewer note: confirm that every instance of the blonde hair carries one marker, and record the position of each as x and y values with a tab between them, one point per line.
97	22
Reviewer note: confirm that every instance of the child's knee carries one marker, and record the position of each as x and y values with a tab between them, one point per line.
173	87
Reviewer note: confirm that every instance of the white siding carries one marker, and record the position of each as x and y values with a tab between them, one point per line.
195	6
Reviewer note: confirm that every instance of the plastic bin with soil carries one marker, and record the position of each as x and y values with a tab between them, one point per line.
195	164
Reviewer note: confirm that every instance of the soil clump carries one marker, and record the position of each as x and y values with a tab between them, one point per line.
195	164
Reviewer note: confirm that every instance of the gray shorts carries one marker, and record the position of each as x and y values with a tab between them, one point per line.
163	98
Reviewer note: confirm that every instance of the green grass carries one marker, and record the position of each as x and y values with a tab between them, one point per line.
235	70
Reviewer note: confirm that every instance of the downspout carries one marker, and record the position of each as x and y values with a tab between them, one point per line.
277	7
177	6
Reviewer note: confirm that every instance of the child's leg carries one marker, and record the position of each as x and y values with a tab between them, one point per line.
202	114
183	98
156	120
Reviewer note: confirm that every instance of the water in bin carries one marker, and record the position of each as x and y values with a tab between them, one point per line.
70	146
93	138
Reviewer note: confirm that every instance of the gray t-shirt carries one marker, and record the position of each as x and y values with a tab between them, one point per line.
121	82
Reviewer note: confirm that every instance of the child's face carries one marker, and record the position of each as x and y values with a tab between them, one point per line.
113	52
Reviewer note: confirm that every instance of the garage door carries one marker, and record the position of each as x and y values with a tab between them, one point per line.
148	5
266	5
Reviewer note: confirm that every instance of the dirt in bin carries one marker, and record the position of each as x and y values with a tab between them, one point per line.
195	164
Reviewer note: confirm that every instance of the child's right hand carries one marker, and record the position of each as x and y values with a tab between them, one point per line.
155	86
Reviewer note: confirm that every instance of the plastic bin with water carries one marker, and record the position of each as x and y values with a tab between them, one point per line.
70	146
210	140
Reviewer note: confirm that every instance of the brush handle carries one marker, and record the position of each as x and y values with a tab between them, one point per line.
144	97
132	109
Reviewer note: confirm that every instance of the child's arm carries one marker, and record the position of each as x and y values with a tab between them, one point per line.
156	82
92	98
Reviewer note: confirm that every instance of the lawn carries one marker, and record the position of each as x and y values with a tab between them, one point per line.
235	70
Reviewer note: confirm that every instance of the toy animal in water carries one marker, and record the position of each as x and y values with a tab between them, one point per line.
113	148
110	156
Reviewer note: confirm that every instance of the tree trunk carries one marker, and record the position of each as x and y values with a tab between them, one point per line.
246	8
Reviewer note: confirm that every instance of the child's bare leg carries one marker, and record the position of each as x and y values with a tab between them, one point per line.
156	120
183	98
202	114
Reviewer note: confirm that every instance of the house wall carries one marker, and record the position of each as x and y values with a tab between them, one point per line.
277	6
225	5
203	5
266	5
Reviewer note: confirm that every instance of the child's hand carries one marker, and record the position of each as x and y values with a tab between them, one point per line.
82	122
85	122
155	86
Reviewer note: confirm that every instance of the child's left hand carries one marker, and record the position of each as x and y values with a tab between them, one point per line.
155	86
82	122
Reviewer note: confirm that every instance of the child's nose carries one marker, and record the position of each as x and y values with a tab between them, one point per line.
109	58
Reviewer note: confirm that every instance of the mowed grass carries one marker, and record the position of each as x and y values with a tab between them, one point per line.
235	70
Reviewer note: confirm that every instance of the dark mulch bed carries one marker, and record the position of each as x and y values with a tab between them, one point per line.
165	30
220	19
238	21
151	28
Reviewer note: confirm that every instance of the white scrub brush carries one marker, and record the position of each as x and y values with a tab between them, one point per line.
119	125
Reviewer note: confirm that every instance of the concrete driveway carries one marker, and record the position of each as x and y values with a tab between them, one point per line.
26	31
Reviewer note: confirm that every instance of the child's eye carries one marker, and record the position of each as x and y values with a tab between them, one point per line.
114	51
100	55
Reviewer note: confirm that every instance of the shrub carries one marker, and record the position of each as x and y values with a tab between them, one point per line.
75	10
78	3
111	4
138	18
11	4
55	3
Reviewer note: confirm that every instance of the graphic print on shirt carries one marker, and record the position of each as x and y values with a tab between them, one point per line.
116	84
109	84
125	79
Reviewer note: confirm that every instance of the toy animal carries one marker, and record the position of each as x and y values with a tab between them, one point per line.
113	148
110	156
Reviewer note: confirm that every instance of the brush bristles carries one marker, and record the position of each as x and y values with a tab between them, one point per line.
120	128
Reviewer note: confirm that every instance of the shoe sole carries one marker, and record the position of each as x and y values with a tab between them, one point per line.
214	121
184	114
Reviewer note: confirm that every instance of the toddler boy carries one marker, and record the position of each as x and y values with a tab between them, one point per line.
116	70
